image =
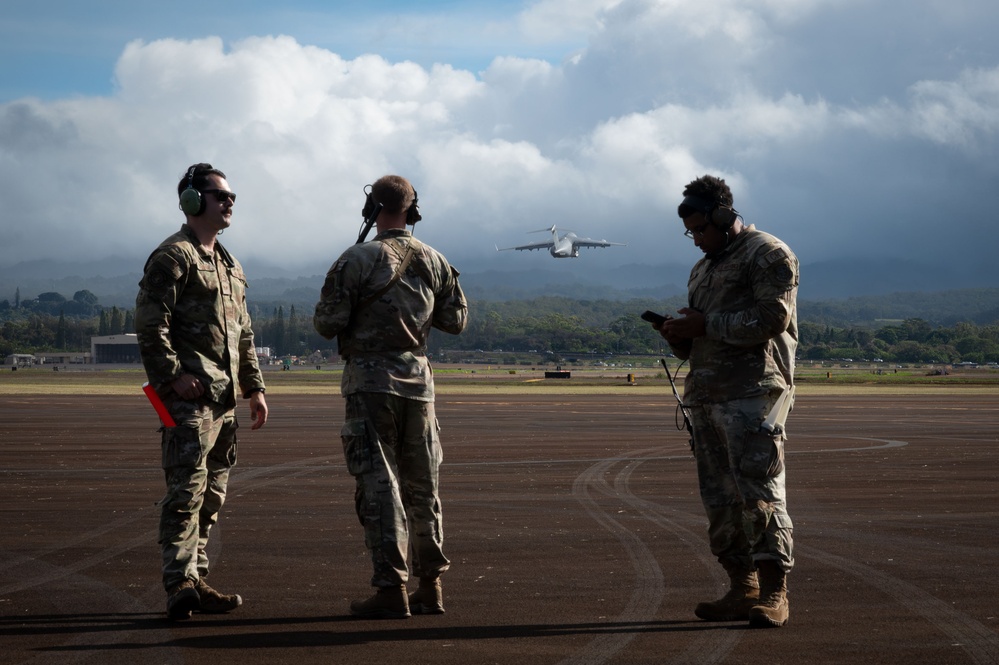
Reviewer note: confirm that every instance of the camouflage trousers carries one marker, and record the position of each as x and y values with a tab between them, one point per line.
392	448
741	473
197	456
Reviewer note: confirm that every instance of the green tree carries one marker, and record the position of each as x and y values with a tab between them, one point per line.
61	332
104	327
278	332
293	335
117	323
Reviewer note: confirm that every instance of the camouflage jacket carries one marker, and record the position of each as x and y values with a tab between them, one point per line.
384	341
748	296
190	317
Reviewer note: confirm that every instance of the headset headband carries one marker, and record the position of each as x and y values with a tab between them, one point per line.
698	204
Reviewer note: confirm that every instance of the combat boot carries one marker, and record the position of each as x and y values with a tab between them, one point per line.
772	610
742	595
213	602
182	599
387	603
428	597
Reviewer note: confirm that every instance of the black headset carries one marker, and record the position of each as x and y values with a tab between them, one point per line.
412	213
191	200
719	215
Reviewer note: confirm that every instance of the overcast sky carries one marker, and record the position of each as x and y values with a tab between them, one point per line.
849	128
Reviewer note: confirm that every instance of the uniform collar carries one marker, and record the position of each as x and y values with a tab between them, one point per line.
394	233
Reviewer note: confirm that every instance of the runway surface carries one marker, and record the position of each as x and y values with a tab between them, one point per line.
573	524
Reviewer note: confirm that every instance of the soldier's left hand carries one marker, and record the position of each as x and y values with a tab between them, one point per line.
688	326
258	410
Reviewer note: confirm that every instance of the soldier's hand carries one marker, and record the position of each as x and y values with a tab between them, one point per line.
188	387
258	410
689	326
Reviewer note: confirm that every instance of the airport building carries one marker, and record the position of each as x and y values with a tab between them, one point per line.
115	349
20	359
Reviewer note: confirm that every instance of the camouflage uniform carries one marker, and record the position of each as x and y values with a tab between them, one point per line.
191	318
390	432
738	369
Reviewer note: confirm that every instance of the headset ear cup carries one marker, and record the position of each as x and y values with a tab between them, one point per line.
191	202
413	212
369	206
723	217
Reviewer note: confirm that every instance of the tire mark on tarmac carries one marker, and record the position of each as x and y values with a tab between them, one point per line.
977	640
31	571
712	646
649	592
25	572
92	628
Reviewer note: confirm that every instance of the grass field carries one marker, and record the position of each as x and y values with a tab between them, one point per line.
465	379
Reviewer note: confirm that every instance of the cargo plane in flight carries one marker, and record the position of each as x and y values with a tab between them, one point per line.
564	247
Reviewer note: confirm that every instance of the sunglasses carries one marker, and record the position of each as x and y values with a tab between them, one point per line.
221	194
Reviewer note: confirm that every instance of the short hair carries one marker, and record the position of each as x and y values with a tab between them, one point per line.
200	177
709	189
394	193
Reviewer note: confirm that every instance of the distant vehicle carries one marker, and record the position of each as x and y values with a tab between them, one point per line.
564	247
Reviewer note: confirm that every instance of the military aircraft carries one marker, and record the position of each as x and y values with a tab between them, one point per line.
566	247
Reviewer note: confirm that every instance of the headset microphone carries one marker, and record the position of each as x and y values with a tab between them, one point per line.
191	201
370	212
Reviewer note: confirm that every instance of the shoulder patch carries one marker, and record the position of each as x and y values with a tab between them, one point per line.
157	278
161	271
783	273
337	266
772	257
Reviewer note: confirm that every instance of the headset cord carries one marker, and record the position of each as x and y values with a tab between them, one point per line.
681	408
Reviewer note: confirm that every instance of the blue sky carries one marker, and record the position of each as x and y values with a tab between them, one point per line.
55	48
853	129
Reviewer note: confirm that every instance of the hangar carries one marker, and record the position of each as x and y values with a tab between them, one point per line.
115	349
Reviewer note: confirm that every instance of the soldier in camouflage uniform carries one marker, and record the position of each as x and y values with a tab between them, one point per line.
197	348
380	300
739	333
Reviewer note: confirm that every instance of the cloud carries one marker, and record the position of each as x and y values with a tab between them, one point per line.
602	140
959	113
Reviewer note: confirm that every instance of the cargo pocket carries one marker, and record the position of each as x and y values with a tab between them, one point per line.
763	455
356	446
182	445
223	453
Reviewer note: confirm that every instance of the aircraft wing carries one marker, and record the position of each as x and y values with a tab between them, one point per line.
587	242
531	247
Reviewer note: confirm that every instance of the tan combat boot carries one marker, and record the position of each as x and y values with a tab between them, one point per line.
213	602
182	599
772	610
387	603
428	597
743	594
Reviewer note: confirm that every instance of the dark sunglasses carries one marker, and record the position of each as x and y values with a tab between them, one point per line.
220	194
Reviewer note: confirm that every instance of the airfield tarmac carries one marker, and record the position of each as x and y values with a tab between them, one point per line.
572	521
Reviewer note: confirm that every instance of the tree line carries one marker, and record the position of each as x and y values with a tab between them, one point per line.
555	326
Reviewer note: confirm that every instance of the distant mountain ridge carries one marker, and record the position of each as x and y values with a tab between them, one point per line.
832	292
